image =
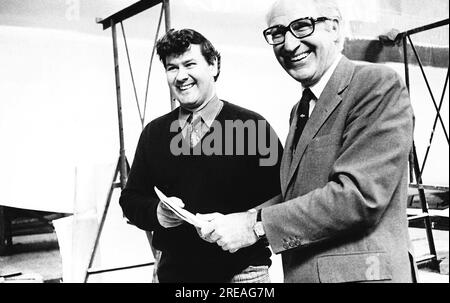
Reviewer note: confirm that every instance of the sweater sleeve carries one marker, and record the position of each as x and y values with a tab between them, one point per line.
138	199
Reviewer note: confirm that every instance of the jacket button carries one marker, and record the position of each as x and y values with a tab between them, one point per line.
286	246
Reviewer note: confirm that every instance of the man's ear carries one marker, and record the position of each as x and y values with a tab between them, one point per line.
335	28
214	69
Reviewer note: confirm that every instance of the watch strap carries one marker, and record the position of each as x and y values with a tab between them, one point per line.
259	219
258	215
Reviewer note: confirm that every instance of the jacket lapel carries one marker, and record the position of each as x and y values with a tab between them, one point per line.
287	153
328	101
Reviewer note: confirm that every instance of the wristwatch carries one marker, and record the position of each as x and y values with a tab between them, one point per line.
258	227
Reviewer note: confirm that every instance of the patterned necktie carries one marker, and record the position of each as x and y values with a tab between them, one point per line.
193	130
302	115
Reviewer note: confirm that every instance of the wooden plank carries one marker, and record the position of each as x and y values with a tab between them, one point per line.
425	258
418	217
430	187
431	212
128	12
106	270
422	29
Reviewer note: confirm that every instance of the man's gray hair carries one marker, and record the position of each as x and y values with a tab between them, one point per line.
326	8
329	8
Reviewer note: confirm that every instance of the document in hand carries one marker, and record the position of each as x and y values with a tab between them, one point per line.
180	212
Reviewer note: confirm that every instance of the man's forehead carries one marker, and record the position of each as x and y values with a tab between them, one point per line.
192	53
285	11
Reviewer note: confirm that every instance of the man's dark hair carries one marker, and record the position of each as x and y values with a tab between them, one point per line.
177	42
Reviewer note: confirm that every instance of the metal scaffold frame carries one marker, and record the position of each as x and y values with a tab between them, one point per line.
123	167
417	169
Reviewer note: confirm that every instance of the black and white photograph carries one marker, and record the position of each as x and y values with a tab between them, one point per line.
213	144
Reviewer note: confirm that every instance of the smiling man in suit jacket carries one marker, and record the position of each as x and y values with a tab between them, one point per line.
342	216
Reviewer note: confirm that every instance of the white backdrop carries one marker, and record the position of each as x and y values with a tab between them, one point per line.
58	103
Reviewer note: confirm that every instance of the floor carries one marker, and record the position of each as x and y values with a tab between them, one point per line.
37	258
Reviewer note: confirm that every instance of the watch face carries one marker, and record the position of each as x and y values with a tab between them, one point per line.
259	230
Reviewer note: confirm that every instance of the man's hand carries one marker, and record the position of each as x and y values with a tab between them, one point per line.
231	232
166	217
207	228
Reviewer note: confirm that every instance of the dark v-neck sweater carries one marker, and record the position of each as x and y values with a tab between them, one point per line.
206	184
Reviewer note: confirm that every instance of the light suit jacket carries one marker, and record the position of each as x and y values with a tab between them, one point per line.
344	189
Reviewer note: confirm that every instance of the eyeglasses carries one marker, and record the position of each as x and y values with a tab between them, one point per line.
300	28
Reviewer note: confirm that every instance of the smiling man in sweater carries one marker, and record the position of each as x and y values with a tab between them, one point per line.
213	156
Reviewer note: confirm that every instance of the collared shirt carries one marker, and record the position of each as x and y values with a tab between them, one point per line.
207	115
317	89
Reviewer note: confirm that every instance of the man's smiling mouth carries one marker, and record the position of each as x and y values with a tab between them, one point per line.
299	57
185	87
